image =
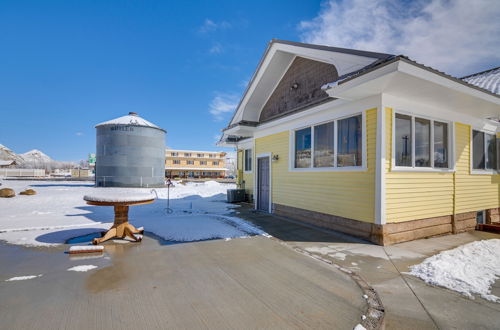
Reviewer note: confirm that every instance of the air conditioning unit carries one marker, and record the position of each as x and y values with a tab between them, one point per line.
235	195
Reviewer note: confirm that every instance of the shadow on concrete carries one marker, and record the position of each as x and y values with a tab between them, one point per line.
289	230
61	236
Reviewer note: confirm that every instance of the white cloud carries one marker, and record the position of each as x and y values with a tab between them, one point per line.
223	104
211	26
79	134
216	49
458	37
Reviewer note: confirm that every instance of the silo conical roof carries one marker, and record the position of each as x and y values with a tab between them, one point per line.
131	119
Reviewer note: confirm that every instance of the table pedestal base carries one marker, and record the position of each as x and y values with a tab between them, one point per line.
121	227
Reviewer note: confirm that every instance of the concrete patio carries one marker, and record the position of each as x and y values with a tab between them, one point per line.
254	282
237	284
408	301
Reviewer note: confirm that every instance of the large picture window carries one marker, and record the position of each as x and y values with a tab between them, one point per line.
248	160
420	142
484	151
337	143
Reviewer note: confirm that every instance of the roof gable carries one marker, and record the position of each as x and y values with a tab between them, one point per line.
275	62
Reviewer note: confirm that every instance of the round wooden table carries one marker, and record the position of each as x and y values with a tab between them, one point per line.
121	227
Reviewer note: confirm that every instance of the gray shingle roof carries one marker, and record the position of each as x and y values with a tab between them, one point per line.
489	80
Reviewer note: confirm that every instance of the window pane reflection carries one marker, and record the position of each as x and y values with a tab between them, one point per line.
303	148
349	144
422	142
440	145
403	140
323	145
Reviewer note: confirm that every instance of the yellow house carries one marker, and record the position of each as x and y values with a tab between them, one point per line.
370	144
195	164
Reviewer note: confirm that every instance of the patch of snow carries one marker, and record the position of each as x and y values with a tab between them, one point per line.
89	248
469	269
118	195
359	327
365	296
23	278
82	268
363	317
129	120
199	211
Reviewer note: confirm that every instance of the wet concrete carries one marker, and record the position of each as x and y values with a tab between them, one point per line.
238	284
409	302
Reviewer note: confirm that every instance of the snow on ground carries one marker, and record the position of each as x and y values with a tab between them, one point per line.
469	269
197	211
23	278
82	268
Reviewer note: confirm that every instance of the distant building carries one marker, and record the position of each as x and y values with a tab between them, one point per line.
80	172
7	163
194	164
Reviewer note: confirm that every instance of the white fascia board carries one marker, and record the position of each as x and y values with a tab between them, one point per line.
254	82
416	71
240	130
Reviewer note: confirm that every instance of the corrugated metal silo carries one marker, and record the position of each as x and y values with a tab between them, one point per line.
130	152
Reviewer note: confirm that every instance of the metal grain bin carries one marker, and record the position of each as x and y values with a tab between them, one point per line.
130	152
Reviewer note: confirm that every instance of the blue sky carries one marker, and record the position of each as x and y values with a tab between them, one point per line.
68	65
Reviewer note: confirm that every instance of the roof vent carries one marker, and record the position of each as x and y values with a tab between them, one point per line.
132	113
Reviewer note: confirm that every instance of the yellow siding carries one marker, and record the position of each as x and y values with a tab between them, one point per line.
346	194
420	195
473	192
246	177
414	195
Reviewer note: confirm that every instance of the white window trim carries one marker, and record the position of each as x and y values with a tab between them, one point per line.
413	168
362	168
485	171
245	161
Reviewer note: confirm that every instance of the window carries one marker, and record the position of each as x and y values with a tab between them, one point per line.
174	154
440	145
215	163
420	142
203	162
349	142
187	154
190	162
324	145
177	162
403	140
303	148
200	155
248	160
211	155
333	144
484	151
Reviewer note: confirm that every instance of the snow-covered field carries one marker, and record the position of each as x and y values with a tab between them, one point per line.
469	269
58	212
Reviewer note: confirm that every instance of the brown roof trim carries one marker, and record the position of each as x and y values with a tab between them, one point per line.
332	49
